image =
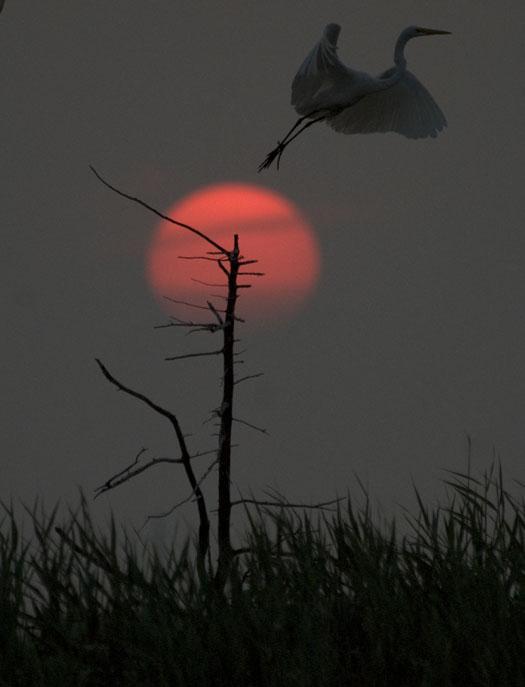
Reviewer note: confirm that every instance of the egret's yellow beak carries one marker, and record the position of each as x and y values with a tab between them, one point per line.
432	32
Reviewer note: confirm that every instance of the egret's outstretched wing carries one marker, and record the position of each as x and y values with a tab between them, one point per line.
320	72
406	108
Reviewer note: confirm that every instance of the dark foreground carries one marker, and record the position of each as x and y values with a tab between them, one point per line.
323	600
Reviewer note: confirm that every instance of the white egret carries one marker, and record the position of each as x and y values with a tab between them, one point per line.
354	102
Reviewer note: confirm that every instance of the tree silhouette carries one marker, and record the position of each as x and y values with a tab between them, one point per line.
231	263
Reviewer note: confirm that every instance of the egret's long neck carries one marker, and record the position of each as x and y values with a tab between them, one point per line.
399	52
395	74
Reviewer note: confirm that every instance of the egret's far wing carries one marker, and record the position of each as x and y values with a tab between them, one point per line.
406	108
319	72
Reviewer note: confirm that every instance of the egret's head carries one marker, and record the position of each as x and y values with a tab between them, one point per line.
417	31
406	35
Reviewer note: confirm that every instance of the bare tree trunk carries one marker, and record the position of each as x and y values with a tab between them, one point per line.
226	413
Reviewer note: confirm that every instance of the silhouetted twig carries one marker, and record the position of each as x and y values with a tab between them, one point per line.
244	379
129	473
185	500
286	504
194	355
203	236
249	424
204	526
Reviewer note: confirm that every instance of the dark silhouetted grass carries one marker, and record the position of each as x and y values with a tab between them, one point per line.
322	600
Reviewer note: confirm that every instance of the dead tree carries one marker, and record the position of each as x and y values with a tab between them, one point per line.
232	265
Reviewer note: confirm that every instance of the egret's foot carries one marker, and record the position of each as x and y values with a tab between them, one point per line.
275	153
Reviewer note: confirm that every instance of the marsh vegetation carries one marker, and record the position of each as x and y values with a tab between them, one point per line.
328	599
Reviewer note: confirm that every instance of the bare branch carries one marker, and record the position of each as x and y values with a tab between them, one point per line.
286	504
198	326
221	250
194	355
199	454
162	411
137	458
189	323
221	266
125	470
211	327
248	424
243	379
215	312
190	305
201	257
176	324
252	274
199	307
206	283
247	262
188	498
128	473
204	523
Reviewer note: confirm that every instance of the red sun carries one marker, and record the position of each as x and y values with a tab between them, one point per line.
271	230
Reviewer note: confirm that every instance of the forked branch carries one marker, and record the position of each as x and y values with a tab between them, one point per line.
131	471
185	459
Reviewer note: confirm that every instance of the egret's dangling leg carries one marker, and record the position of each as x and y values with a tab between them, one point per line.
294	127
280	145
279	150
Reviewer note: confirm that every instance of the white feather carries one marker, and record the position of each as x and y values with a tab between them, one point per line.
406	108
322	75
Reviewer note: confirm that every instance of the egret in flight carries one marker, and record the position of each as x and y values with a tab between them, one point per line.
354	102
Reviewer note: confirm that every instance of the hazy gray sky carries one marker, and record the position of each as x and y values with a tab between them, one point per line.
415	333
